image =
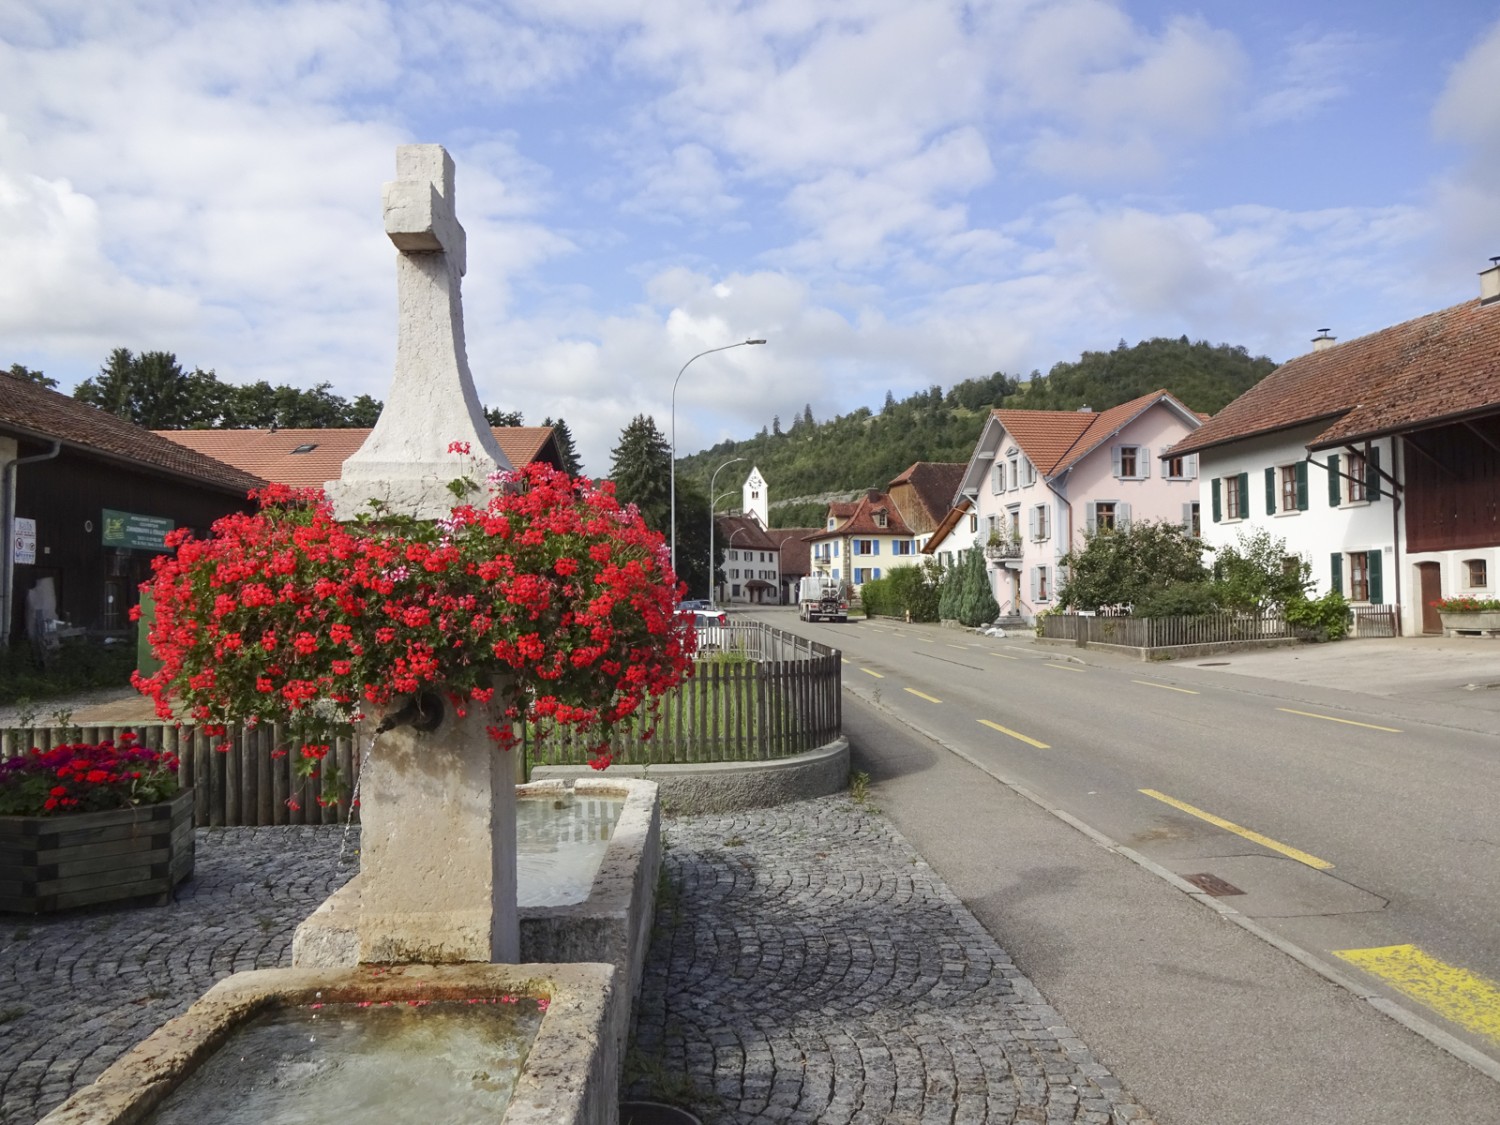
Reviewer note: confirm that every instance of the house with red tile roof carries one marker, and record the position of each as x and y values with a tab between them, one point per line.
85	501
751	566
924	495
862	540
305	458
1377	459
1039	479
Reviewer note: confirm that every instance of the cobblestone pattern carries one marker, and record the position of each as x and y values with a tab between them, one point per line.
808	966
79	990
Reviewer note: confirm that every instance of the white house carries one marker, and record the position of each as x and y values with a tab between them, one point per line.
1378	460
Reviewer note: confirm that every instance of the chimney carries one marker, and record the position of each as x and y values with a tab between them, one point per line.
1085	409
1323	340
1489	283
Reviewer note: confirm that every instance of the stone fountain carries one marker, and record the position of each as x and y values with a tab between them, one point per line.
432	916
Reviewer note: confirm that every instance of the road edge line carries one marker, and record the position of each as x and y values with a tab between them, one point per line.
1413	1022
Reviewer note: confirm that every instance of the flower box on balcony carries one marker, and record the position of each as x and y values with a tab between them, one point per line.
56	862
1003	550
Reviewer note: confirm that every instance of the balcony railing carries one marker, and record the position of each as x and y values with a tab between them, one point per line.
1011	549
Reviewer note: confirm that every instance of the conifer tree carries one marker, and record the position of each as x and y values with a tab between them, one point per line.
976	602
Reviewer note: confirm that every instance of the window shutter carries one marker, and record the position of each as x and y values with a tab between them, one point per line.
1337	584
1143	462
1187	517
877	572
1218	504
1244	495
1302	486
1115	457
876	545
1035	535
1042	573
1372	477
1271	491
1035	572
1335	493
1376	593
1191	467
1122	516
1092	523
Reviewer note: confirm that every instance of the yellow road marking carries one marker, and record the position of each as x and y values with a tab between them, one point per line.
1015	734
1063	667
959	647
923	695
1005	656
843	660
925	641
1465	998
1230	826
1332	719
1168	687
867	672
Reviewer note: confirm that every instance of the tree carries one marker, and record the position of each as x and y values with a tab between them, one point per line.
565	447
948	592
641	468
153	391
1131	566
27	375
364	411
497	417
1255	574
259	405
976	600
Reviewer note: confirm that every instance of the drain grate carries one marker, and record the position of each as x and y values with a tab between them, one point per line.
1213	885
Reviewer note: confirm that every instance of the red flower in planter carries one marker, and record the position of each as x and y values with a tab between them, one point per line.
86	777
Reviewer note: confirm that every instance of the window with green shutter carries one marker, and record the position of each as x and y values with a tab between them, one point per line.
1271	491
1302	486
1377	595
1336	581
1335	492
1218	512
1244	506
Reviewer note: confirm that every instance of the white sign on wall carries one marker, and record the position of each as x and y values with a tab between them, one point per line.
24	552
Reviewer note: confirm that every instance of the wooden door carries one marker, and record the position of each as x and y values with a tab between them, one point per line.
1431	580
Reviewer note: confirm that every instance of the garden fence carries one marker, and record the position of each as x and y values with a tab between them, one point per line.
1162	632
763	694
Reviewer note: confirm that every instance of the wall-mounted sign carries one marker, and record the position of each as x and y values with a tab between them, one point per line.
24	551
126	529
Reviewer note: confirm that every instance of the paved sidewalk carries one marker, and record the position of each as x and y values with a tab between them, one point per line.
807	966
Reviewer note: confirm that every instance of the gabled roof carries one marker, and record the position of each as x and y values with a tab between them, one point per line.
1056	440
862	520
32	411
933	485
1439	367
746	534
272	454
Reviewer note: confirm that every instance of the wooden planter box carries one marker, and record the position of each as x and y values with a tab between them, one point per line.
1481	622
59	862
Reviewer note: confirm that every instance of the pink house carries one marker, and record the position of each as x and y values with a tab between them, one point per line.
1039	479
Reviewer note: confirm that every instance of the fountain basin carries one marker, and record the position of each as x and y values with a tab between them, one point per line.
569	1074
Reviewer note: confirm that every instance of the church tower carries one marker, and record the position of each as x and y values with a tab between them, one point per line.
755	499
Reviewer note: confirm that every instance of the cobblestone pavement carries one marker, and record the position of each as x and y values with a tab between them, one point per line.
808	966
79	990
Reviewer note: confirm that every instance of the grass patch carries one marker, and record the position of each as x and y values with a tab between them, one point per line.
859	786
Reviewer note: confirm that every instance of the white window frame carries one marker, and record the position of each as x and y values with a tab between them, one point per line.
1188	471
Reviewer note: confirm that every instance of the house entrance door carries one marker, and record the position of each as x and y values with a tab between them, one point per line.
1430	578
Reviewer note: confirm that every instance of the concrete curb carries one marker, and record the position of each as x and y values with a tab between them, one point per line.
718	787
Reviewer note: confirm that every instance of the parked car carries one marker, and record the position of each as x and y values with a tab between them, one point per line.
710	624
694	603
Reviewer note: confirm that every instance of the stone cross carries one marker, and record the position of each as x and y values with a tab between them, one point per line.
405	462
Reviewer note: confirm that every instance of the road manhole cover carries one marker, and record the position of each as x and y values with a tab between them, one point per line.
1213	885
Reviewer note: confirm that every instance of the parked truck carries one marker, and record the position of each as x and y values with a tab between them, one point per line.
822	599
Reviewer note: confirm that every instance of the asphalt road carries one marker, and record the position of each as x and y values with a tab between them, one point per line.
1358	829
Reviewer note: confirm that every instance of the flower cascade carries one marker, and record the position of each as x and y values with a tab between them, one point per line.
86	777
552	594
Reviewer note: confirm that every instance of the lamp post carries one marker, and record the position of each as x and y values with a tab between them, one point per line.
673	515
713	503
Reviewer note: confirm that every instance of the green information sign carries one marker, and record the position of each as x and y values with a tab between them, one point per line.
126	529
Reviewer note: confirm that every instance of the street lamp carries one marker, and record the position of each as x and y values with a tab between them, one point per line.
675	381
713	502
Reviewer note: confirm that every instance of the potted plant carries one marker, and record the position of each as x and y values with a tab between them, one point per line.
89	823
1468	614
549	602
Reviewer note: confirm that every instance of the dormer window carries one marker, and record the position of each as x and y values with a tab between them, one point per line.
880	520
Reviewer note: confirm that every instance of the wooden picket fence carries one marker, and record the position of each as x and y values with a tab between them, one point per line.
761	694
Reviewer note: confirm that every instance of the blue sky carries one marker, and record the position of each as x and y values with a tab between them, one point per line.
895	193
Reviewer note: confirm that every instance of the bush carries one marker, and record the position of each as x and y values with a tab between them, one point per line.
949	591
1131	566
76	666
908	591
1256	574
1186	599
1326	618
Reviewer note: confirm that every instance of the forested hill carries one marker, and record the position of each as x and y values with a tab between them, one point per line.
803	457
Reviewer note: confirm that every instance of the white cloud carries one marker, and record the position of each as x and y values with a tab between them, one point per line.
1467	197
1314	72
